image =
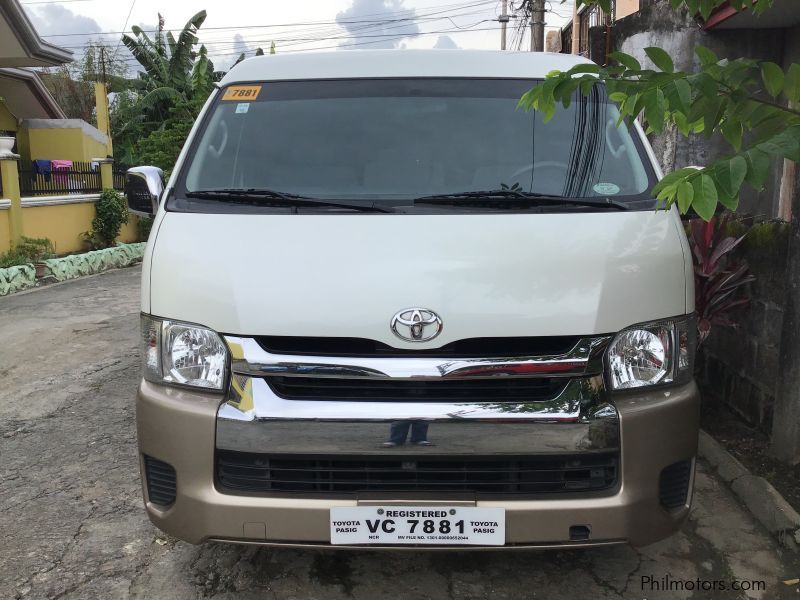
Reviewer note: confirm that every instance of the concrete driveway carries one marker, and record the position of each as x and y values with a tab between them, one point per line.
72	523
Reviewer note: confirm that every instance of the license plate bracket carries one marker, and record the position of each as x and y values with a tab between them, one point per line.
418	525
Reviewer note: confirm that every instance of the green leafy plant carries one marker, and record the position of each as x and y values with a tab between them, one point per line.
110	215
28	250
750	103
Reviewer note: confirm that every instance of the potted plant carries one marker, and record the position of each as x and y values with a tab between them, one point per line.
7	140
37	251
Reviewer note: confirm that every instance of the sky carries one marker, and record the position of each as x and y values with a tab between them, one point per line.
233	27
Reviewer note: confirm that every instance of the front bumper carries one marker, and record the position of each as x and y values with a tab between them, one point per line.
656	429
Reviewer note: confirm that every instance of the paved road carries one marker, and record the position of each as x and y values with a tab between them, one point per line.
72	524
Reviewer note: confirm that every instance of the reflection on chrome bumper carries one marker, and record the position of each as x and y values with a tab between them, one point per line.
255	419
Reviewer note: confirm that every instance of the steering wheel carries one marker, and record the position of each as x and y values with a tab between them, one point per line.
528	170
217	152
611	130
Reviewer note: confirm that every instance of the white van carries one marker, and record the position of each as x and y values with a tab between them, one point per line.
384	306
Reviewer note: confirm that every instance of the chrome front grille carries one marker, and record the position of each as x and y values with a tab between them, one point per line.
584	358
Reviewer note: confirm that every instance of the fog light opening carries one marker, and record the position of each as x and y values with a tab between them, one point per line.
580	533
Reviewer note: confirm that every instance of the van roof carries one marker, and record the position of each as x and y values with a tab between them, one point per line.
351	64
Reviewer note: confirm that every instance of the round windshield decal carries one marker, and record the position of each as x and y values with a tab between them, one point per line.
606	189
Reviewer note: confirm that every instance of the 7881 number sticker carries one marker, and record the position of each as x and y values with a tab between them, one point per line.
242	93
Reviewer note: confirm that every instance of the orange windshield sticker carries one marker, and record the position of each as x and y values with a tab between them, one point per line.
242	92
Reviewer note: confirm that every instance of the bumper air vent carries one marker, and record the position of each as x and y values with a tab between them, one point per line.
674	485
161	481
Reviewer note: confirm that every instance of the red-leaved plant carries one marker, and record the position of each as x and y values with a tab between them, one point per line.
719	276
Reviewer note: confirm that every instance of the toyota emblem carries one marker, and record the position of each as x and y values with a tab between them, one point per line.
416	325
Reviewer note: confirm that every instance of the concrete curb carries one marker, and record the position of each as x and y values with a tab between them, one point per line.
23	277
757	494
16	279
96	261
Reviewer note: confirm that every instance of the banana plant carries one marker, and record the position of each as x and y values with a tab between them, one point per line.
174	74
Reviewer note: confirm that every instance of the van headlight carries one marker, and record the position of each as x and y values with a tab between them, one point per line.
655	353
182	354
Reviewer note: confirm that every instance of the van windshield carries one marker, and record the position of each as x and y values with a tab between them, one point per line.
393	140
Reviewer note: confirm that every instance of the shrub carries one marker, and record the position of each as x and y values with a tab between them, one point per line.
29	250
720	278
110	215
143	227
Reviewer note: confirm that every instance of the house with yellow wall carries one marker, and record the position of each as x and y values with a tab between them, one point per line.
59	205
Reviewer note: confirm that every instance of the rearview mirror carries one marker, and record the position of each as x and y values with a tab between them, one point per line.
143	187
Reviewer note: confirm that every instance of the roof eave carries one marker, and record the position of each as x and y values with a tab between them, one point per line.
45	53
39	89
720	15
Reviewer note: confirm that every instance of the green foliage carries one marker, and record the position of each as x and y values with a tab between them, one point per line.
29	250
741	99
110	215
143	227
174	74
72	84
150	126
161	147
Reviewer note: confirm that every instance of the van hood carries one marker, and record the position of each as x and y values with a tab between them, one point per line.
485	275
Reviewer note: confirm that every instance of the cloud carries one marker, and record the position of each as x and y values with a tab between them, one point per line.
445	42
228	52
54	19
50	19
366	21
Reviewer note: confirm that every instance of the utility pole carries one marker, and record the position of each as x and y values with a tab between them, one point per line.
576	41
103	63
537	25
101	103
504	23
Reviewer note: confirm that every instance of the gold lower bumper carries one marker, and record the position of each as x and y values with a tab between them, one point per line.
658	428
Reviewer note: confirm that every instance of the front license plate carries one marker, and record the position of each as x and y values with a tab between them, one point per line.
456	525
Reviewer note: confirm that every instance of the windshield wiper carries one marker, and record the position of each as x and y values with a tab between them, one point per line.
264	197
499	198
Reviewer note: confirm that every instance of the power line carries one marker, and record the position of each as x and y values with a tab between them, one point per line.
239	27
125	26
384	37
57	1
260	38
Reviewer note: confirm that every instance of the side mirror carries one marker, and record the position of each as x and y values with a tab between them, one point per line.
143	187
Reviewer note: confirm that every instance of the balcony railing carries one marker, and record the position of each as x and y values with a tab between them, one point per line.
80	178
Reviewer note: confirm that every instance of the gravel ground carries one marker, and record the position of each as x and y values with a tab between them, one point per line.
72	523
